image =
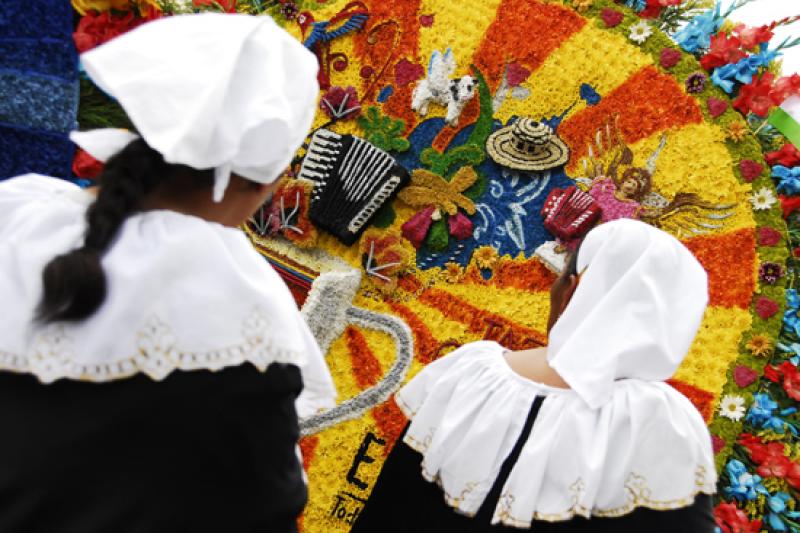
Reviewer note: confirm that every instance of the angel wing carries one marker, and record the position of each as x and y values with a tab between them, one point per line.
687	215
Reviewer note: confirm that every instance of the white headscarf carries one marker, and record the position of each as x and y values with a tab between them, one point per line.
231	92
637	308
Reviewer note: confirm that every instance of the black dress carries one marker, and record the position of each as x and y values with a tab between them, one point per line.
403	501
199	451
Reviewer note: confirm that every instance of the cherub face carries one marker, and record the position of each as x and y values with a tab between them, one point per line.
629	187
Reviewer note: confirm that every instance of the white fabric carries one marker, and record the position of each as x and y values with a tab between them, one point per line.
104	142
792	107
226	91
637	308
183	293
647	446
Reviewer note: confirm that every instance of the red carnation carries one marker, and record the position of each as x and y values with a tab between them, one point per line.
789	204
766	308
611	17
788	156
717	107
772	373
768	236
755	96
791	380
653	8
228	5
85	166
750	169
724	50
95	29
669	57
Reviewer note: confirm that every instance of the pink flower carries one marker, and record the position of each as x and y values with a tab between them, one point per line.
416	228
611	17
669	57
744	376
516	74
460	226
750	169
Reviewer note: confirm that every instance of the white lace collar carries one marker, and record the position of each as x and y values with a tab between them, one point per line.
183	294
647	447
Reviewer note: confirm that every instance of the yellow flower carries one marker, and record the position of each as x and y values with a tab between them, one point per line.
737	131
452	272
581	6
485	257
759	345
82	6
428	188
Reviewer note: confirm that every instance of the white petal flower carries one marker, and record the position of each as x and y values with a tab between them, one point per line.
640	32
762	199
732	407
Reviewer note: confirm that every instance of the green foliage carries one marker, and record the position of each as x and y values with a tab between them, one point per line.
98	110
449	162
674	17
384	132
384	217
438	238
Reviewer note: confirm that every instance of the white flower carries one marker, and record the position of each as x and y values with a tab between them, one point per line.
763	199
732	407
640	32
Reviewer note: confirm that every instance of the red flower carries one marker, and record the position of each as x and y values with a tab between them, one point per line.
717	107
744	376
654	8
789	204
611	17
340	102
96	29
750	169
752	37
416	228
86	166
785	87
755	96
788	156
669	57
724	50
405	72
228	5
774	465
717	444
791	380
731	519
793	476
772	373
460	226
768	236
796	251
766	308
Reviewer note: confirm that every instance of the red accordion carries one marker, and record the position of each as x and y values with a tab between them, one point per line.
570	213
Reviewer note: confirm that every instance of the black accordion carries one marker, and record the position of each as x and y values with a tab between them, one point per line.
353	179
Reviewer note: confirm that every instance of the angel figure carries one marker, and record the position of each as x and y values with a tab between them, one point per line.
625	191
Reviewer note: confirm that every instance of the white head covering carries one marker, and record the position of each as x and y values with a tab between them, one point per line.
231	92
637	308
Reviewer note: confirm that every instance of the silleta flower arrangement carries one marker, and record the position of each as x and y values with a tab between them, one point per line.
449	130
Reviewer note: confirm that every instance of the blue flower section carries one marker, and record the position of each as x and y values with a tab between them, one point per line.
23	150
636	5
762	414
51	57
779	512
40	18
589	94
744	486
507	216
696	35
38	102
789	179
385	93
725	77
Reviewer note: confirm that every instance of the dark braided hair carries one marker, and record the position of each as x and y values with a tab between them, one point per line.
74	282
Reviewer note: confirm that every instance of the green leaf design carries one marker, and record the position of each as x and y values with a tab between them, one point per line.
384	132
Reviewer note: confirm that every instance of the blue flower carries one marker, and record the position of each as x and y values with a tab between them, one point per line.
589	94
696	35
789	179
723	77
777	507
744	485
637	5
761	415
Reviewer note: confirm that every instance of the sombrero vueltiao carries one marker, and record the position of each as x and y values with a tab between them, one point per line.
527	145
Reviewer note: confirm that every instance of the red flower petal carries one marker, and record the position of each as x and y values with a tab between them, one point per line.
717	107
765	307
744	376
416	228
611	17
750	169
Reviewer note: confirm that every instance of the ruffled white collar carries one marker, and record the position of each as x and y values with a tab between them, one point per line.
647	447
183	293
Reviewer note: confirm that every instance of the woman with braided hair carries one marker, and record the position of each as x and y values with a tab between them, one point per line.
151	363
